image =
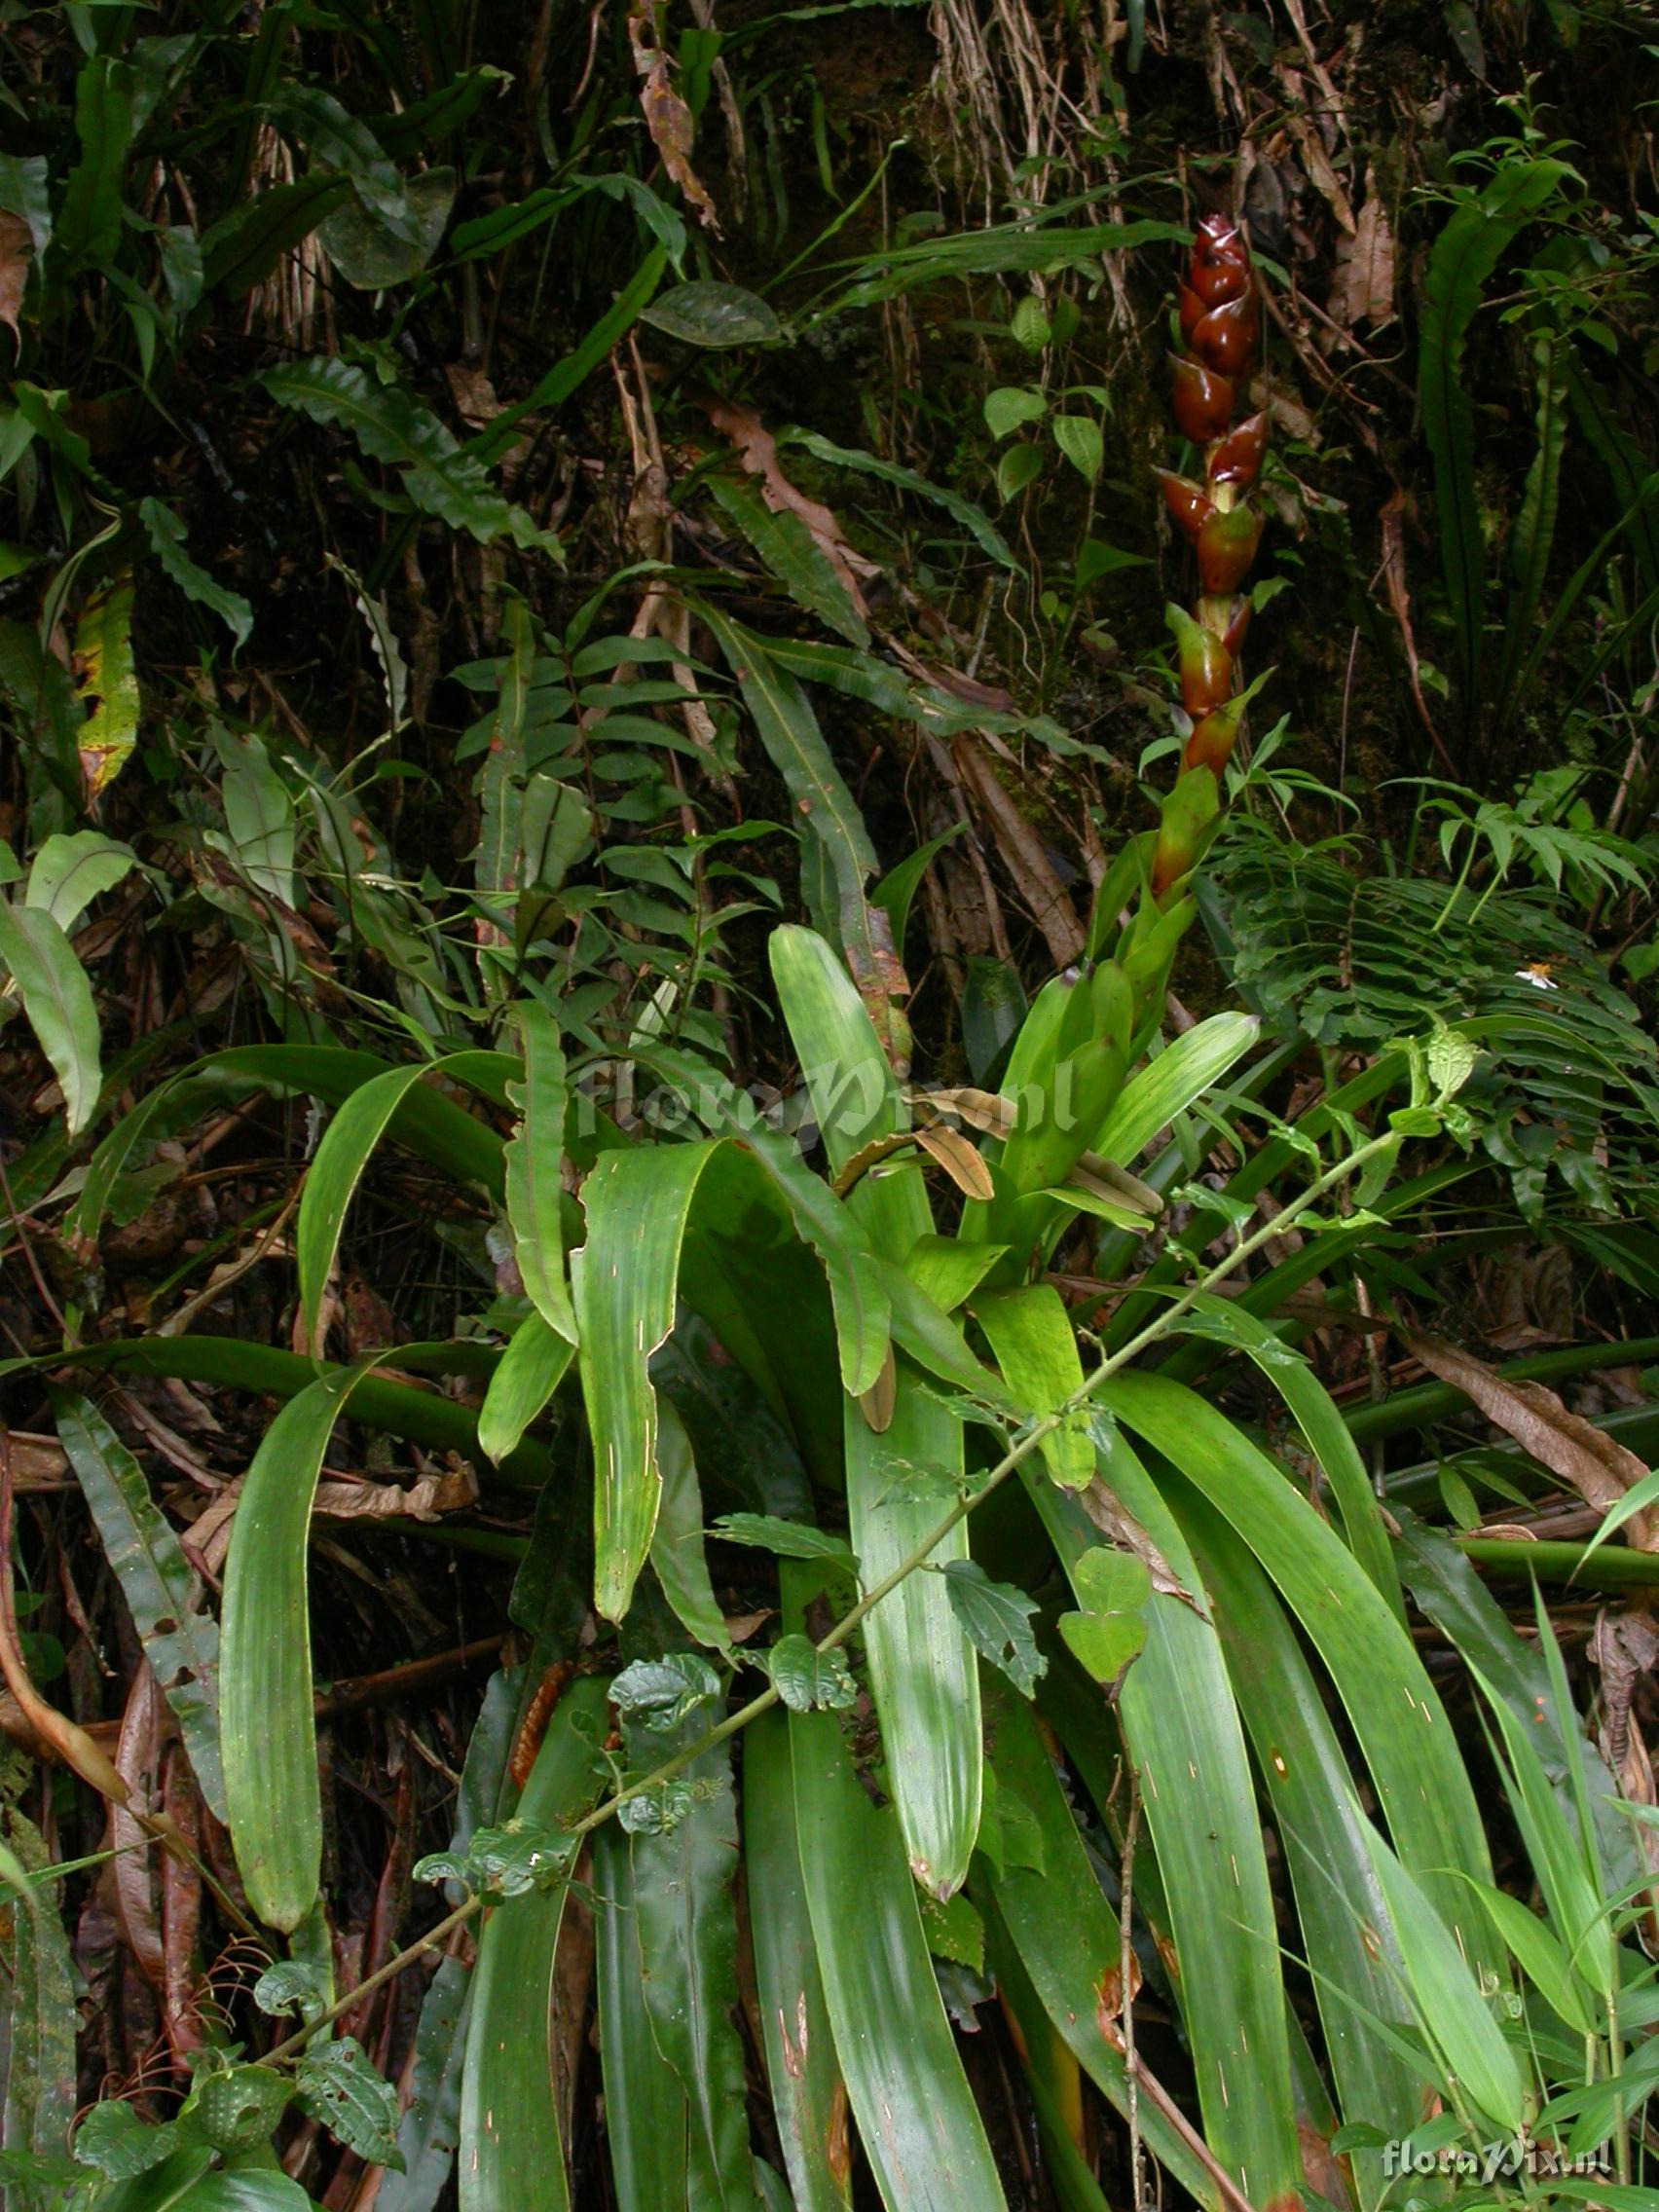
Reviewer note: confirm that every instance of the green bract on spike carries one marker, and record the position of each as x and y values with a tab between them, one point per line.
1205	664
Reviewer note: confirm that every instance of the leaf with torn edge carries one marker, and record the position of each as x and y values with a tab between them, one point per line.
996	1619
180	1638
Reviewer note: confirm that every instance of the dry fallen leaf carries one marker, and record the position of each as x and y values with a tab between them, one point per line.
1023	855
758	453
1317	162
1601	1470
422	1501
39	1462
1625	1646
1392	520
16	251
1362	289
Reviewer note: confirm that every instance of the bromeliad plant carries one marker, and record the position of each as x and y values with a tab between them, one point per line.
851	1364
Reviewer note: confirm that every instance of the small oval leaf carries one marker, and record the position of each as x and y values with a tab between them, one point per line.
713	316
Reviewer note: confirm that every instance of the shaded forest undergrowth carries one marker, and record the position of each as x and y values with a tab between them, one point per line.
829	1123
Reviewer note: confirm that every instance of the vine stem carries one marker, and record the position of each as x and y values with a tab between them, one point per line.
847	1626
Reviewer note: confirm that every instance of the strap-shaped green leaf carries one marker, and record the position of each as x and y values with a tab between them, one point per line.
423	1416
534	1157
789	730
687	1931
1182	1729
1453	2009
1463	257
645	2106
511	2149
922	1667
1065	1934
1325	1432
39	2019
1533	533
808	2095
1420	1776
531	1370
430	1124
431	2125
857	1291
391	425
362	1119
1346	1933
918	2121
625	1278
1169	1084
677	1547
268	1731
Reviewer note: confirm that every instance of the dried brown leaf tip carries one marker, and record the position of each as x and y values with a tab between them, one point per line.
1600	1469
668	119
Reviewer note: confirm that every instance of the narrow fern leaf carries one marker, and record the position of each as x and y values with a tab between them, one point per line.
1463	258
1533	533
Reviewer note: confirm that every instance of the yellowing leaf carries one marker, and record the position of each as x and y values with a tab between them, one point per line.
106	684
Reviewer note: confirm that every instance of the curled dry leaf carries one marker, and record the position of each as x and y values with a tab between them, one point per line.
1316	159
668	119
1121	1529
960	1159
865	1157
1122	1183
879	975
1625	1646
1109	1995
878	1402
982	1110
1601	1470
424	1499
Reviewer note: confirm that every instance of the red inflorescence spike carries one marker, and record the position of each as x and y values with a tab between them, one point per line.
1189	503
1225	338
1227	546
1207	672
1201	401
1220	315
1237	459
1213	738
